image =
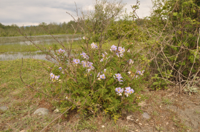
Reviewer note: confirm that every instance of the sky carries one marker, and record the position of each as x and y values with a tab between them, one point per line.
34	12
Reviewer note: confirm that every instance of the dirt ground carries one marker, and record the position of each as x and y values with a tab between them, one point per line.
168	111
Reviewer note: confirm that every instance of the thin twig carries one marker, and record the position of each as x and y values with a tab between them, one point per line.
29	85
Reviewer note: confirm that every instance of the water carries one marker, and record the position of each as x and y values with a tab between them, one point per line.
19	55
47	39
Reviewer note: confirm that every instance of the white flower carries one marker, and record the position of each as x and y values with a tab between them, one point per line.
88	70
83	37
99	78
129	72
131	62
57	77
128	51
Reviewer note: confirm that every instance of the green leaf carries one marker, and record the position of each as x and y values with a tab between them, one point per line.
175	14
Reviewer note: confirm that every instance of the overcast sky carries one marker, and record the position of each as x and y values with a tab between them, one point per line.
33	12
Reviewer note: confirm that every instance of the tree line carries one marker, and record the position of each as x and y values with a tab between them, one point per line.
41	29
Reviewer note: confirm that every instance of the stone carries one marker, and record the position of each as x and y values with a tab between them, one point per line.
145	115
3	108
56	111
130	118
41	111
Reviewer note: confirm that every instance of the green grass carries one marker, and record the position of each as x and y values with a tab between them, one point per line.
12	48
22	101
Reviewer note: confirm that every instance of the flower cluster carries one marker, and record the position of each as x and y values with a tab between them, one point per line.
127	91
76	61
84	55
94	46
140	72
119	91
137	73
130	61
60	51
118	76
53	77
102	76
87	64
104	56
119	50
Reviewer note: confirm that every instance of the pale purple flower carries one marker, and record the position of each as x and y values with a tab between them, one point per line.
119	49
140	72
113	48
84	55
103	55
89	63
84	63
102	76
91	67
101	60
60	68
118	75
52	75
119	79
76	61
60	51
128	91
119	91
57	77
94	46
130	61
119	54
131	91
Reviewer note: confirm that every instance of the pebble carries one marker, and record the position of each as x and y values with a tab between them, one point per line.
146	115
41	111
3	108
129	118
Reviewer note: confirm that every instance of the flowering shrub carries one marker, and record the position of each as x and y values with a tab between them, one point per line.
96	80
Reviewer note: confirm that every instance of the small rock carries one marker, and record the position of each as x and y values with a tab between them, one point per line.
129	118
146	115
56	111
41	111
3	108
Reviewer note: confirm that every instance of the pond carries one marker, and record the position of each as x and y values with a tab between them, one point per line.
19	55
47	39
44	39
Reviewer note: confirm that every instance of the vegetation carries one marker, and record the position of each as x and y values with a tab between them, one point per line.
117	55
41	29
